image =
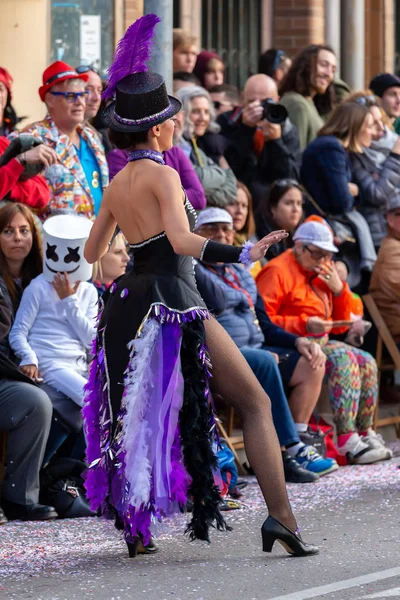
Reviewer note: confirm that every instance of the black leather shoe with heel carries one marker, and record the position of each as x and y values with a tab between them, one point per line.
137	547
272	531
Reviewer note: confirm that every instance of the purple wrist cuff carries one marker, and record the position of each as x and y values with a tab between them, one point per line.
244	257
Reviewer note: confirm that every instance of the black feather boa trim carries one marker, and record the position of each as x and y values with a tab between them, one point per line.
194	423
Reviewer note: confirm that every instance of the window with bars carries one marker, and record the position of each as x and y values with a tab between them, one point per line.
232	28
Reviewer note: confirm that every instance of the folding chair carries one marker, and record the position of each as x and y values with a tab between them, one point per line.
234	443
384	364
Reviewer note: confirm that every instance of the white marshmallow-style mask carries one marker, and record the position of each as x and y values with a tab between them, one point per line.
64	238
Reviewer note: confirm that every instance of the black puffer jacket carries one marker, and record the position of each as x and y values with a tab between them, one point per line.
377	185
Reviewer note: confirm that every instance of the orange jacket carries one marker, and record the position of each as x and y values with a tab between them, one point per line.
291	295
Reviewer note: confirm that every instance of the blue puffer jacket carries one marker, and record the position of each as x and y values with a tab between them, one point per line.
233	309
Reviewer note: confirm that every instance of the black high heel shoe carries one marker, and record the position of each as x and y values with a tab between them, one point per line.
272	531
137	547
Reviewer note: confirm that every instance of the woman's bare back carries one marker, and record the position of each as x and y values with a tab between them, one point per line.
132	201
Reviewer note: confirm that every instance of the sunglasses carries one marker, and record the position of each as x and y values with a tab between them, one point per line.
219	104
86	68
317	254
366	101
287	183
72	97
214	227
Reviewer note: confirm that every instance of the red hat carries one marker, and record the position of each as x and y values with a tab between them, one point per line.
201	66
6	78
57	72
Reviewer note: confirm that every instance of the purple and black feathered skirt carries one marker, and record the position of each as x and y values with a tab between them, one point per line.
148	415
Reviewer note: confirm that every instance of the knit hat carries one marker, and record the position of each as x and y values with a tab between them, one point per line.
56	73
6	78
201	66
317	234
213	215
382	82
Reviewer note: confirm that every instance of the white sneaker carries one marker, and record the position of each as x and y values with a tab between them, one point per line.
359	452
375	440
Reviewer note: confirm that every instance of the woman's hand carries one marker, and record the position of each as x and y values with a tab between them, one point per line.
353	189
317	325
311	352
63	287
329	275
258	250
30	371
39	154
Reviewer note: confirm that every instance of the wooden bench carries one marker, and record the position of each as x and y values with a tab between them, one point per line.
234	443
390	363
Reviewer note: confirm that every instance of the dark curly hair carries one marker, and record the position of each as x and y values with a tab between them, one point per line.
299	78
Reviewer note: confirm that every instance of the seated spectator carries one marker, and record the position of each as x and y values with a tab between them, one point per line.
112	265
14	186
55	323
326	171
77	181
205	147
387	87
210	69
175	158
8	117
385	280
281	209
25	414
241	212
225	97
259	151
184	51
274	63
310	78
230	292
376	171
303	293
182	79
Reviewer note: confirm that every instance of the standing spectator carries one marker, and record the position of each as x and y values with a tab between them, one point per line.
225	97
282	209
184	51
77	181
303	293
376	171
175	157
385	280
210	69
34	191
274	63
309	78
259	151
202	143
112	265
387	87
182	79
8	117
94	87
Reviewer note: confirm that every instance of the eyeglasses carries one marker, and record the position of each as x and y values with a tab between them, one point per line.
86	68
215	227
317	254
72	97
366	101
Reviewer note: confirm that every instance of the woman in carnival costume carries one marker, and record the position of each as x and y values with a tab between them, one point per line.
148	412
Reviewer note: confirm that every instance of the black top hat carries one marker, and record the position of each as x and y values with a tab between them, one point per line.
141	101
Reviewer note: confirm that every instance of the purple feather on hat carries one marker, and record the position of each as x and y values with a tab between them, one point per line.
132	53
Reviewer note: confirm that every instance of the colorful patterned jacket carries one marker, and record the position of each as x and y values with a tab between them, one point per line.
68	185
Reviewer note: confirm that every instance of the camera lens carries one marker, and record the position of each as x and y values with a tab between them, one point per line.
274	112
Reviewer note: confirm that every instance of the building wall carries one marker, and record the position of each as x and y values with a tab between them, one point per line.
297	23
24	51
133	10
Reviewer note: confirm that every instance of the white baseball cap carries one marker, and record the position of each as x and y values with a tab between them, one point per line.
213	215
317	234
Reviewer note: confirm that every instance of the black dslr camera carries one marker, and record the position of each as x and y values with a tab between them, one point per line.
273	111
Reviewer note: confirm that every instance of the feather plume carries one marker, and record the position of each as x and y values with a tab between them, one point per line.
132	53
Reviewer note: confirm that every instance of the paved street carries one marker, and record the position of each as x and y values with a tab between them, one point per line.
354	515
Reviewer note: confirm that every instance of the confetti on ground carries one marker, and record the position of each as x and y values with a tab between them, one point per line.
66	546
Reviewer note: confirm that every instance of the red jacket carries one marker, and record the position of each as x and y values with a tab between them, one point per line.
34	192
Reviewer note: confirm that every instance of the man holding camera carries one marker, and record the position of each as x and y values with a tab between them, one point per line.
263	143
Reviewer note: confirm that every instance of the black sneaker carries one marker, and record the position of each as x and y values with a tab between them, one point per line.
314	438
294	473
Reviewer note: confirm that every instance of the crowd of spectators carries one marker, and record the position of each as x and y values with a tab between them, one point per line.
295	149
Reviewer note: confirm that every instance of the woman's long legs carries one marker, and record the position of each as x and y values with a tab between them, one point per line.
234	380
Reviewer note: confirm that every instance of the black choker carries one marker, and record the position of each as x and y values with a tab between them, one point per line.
150	154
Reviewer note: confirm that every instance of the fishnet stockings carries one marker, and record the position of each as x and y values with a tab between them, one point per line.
234	380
